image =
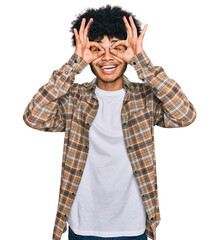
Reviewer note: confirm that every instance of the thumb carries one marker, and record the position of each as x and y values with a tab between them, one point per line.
100	53
96	55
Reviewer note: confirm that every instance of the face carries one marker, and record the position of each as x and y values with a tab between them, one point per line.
108	68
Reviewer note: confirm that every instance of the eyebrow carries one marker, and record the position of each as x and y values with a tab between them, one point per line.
111	41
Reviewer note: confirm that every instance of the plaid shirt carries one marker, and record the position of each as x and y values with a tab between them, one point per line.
64	106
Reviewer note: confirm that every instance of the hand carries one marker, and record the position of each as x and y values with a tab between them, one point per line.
83	44
133	44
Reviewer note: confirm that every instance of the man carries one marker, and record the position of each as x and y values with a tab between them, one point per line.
108	183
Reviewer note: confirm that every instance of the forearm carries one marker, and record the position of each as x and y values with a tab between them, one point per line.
47	107
171	106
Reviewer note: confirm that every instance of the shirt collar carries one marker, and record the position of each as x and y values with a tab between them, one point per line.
126	84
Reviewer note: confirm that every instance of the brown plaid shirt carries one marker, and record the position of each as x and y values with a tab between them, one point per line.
64	106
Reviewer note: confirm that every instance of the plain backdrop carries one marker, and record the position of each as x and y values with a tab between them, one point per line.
182	37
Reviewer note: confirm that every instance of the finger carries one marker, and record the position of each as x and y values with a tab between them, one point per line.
134	29
100	53
87	28
76	36
116	53
141	36
92	43
128	28
81	30
119	42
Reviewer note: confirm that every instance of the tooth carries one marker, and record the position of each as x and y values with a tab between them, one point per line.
109	67
112	66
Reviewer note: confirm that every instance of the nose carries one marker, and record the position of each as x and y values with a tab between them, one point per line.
107	55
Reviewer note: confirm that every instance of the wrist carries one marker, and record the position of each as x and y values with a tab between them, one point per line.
139	51
136	55
79	53
77	63
141	60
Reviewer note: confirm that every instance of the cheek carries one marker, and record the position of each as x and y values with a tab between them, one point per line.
124	67
123	64
119	60
93	65
93	69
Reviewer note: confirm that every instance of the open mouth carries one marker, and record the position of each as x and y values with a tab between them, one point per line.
109	69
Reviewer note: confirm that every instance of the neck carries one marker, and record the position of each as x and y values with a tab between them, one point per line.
111	85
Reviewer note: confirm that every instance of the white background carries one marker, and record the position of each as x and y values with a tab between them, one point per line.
182	37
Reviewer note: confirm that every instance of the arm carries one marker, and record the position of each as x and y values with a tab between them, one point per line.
46	110
171	107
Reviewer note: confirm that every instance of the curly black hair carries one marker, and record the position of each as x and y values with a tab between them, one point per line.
106	21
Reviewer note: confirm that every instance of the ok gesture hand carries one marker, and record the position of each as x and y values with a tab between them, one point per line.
83	44
133	44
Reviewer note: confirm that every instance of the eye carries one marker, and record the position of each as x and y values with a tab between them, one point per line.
94	49
120	48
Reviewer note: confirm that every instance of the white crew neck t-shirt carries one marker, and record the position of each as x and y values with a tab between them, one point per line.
108	202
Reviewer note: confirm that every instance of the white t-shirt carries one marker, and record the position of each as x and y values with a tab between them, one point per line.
108	202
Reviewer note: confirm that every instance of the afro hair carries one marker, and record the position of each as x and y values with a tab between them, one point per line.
106	21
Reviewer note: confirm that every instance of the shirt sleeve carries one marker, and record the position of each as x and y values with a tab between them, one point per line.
47	108
171	107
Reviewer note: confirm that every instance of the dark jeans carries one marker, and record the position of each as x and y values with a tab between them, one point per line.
73	236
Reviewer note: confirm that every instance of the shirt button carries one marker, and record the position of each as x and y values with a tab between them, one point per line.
88	124
152	219
80	170
66	72
124	123
129	147
76	61
144	195
134	63
136	171
65	215
86	146
73	194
